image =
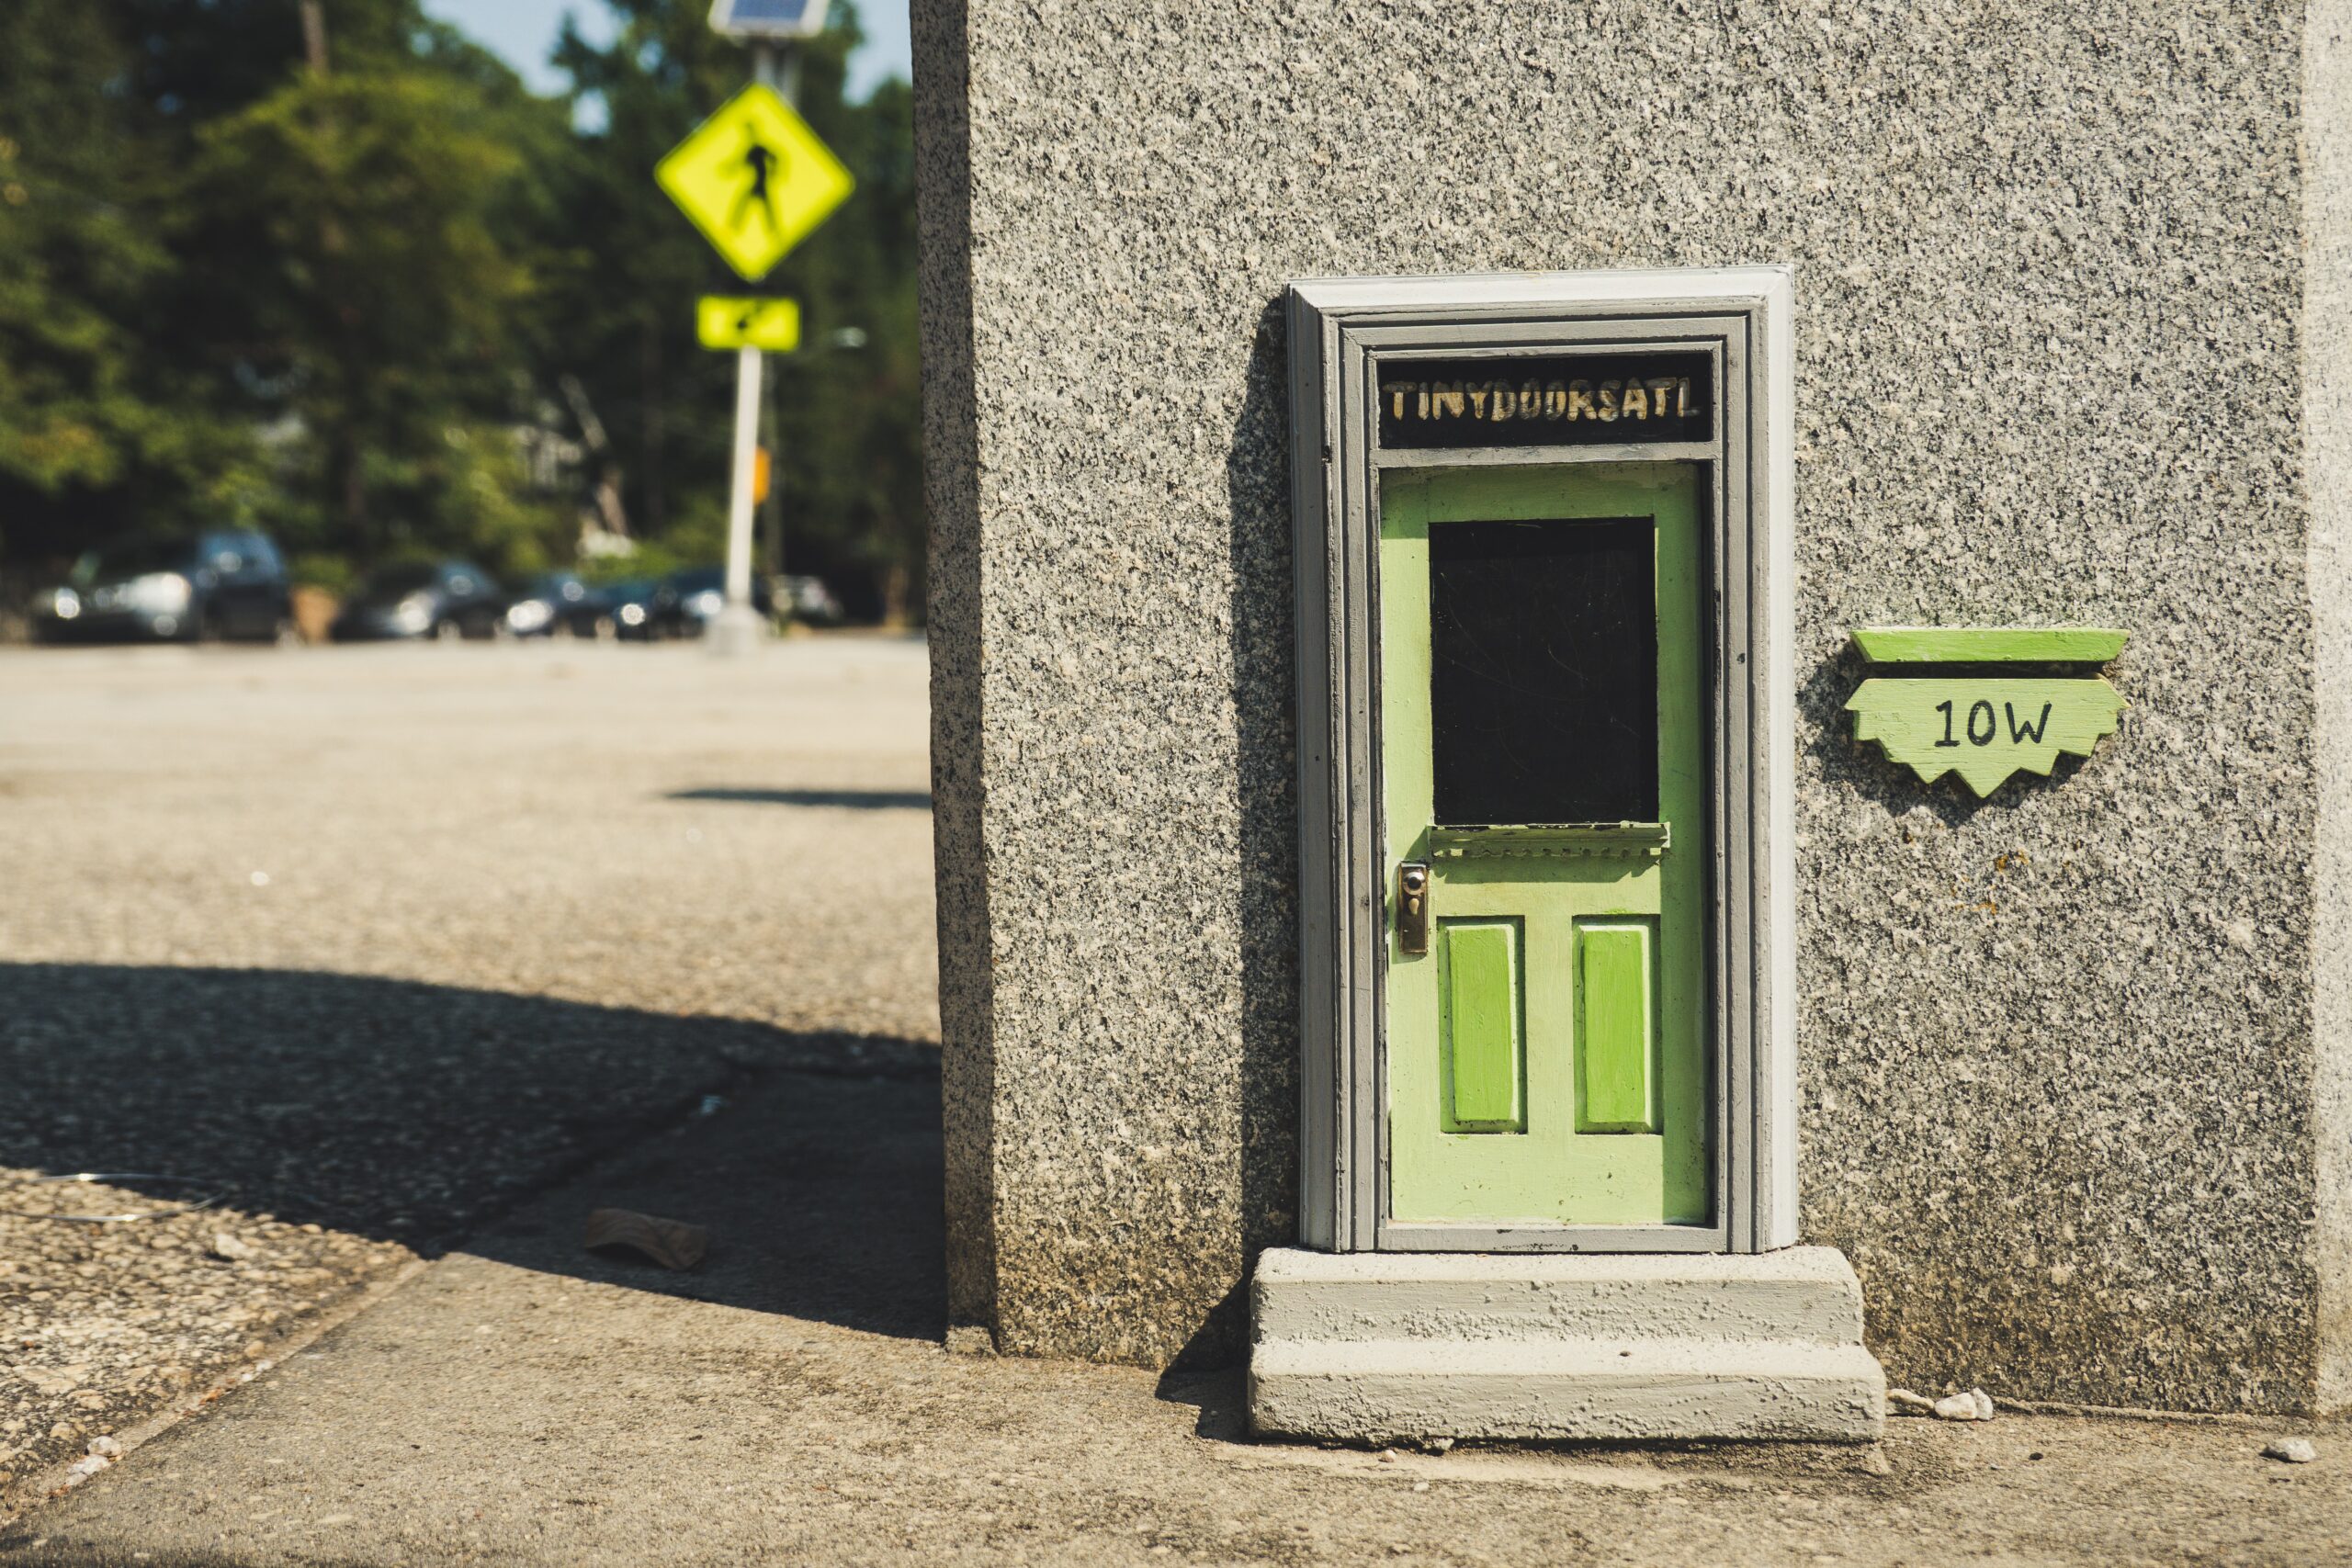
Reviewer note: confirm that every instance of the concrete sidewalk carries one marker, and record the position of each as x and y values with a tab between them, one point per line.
790	1403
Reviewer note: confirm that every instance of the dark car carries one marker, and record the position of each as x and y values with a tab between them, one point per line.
551	602
689	600
812	602
227	583
436	599
626	610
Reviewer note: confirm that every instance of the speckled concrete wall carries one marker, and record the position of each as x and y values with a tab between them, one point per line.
2064	1103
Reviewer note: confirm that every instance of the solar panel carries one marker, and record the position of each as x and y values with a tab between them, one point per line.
767	18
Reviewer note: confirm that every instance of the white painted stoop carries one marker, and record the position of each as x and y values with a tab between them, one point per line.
1381	1346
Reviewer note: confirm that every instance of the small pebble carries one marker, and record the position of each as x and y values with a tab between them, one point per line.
104	1447
2293	1451
1973	1406
1902	1402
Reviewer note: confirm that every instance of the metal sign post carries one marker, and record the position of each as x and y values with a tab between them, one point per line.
738	628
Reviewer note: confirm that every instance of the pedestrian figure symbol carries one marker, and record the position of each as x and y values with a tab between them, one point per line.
759	161
755	178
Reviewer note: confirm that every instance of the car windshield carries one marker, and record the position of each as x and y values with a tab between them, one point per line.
699	579
134	559
392	581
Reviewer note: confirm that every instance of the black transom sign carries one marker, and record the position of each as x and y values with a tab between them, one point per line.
1566	399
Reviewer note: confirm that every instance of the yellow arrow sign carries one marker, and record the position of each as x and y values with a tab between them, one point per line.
723	322
754	179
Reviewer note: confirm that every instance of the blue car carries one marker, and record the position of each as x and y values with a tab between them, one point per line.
551	602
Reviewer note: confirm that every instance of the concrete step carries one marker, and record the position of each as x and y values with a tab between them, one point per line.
1387	1390
1373	1347
1806	1294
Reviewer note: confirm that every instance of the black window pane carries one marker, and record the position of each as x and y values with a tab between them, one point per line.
1543	686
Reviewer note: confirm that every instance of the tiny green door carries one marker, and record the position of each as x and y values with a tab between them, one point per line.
1542	753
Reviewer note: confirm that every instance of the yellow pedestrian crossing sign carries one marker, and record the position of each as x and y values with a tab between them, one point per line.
754	179
723	322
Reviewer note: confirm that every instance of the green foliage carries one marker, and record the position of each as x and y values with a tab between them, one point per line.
333	573
851	422
91	429
334	303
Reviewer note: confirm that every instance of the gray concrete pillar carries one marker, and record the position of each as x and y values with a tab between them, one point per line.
2072	339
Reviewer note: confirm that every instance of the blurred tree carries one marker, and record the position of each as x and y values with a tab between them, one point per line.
367	230
354	286
850	418
96	429
633	264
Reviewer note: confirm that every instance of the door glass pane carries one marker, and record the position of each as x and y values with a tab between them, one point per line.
1543	681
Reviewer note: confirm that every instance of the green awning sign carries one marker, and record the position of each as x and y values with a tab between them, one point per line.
1979	702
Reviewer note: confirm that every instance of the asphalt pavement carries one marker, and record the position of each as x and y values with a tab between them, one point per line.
372	942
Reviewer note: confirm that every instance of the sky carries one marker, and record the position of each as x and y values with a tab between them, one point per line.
521	31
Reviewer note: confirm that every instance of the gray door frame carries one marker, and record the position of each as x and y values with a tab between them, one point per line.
1341	332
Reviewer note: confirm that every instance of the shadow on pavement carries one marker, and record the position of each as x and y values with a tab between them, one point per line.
1218	1396
821	1195
426	1114
852	799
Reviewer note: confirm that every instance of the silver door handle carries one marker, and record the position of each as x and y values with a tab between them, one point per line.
1413	906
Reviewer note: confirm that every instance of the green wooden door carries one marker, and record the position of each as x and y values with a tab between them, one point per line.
1544	754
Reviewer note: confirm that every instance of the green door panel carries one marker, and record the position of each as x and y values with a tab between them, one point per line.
1546	1061
1481	999
1614	1027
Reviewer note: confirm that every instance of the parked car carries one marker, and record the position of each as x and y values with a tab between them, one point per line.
626	610
228	582
812	602
437	599
688	601
551	602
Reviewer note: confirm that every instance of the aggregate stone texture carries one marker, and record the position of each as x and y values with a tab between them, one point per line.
372	943
104	1325
2063	1099
790	1402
